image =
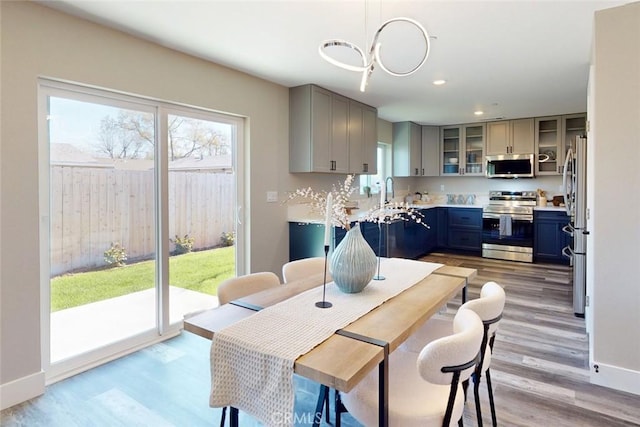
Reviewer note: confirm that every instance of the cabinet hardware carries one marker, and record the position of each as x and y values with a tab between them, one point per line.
365	167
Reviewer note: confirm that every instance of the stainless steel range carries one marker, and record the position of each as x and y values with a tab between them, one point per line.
507	225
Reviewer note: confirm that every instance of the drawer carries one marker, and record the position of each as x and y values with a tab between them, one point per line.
465	239
465	217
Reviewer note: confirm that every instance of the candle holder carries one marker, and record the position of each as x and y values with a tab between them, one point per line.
378	276
324	303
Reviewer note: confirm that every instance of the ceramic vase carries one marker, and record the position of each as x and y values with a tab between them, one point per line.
353	262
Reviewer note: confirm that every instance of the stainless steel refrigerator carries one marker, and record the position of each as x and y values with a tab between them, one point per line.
574	181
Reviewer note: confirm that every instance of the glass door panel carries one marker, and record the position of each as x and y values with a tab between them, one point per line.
451	150
474	149
202	210
102	223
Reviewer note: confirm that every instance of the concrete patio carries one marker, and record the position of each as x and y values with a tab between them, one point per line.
80	329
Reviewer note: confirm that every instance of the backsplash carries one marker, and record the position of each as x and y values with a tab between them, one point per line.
461	199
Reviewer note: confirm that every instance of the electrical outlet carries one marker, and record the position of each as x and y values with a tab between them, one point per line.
441	187
272	196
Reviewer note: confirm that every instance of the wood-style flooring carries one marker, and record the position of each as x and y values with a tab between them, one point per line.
539	364
539	370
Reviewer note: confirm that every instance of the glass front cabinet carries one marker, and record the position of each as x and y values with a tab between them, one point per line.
463	149
553	135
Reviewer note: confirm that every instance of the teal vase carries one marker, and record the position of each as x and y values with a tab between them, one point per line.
353	262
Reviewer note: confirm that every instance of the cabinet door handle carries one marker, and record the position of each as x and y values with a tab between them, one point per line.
422	171
416	171
365	167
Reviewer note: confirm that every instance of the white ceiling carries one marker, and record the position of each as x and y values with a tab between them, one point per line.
510	59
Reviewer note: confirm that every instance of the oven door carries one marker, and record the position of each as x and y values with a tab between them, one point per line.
521	231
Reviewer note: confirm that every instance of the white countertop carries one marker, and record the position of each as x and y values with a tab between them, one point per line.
300	216
550	207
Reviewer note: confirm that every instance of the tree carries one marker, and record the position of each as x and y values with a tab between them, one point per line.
130	135
127	136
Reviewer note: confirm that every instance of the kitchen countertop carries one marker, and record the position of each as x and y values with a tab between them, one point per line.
550	207
310	219
306	218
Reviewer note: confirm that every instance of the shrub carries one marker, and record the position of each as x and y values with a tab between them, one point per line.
116	255
183	245
228	238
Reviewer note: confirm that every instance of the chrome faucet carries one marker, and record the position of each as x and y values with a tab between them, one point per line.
386	184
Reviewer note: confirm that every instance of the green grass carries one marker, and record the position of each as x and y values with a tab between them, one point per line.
198	271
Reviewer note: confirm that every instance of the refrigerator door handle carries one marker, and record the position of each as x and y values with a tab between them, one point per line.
568	252
567	185
568	229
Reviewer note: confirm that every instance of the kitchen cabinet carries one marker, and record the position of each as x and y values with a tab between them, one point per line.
305	240
548	145
510	137
416	150
430	151
464	229
363	138
318	130
407	149
431	233
548	238
371	234
462	149
572	125
553	136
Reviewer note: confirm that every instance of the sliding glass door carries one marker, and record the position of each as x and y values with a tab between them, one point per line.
140	200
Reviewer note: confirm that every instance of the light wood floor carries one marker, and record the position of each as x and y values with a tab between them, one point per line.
539	365
538	370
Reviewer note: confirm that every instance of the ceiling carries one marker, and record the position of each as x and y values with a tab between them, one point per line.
509	59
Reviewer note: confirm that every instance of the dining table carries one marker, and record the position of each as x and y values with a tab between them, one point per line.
352	351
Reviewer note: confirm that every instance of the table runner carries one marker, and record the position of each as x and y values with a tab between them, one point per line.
252	360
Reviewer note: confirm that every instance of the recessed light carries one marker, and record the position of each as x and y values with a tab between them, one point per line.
478	113
439	82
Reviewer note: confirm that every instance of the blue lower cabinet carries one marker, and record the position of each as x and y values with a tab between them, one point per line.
548	238
431	233
464	229
371	234
305	240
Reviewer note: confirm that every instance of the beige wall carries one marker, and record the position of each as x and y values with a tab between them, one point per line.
38	41
614	246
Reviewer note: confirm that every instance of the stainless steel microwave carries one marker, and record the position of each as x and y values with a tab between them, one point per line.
510	166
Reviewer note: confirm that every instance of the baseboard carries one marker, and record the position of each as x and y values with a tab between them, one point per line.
615	377
21	390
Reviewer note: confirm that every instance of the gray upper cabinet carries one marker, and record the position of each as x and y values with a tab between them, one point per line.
463	149
553	136
318	130
407	149
548	135
363	138
430	151
510	137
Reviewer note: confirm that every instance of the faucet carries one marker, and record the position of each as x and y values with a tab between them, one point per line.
386	185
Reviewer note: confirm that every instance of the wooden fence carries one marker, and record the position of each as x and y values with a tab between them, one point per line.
91	208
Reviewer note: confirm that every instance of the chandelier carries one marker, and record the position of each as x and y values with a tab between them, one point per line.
369	62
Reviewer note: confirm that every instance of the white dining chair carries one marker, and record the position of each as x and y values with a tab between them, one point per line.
242	286
302	268
424	388
489	308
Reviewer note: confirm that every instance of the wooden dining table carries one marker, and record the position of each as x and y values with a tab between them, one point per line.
347	356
